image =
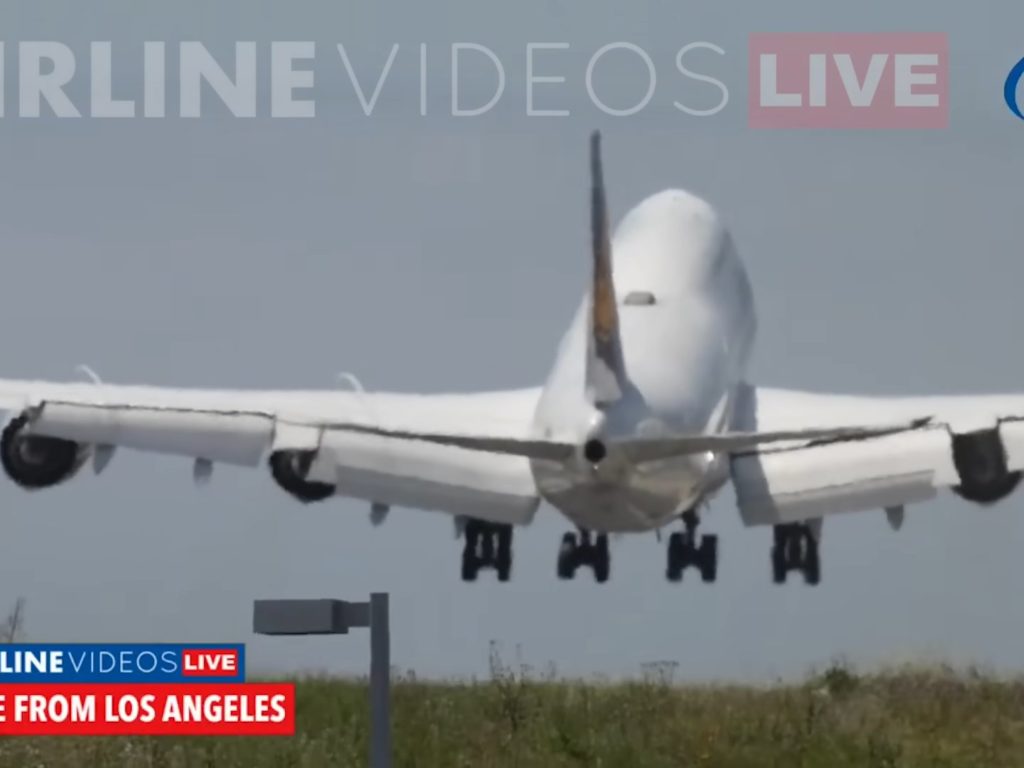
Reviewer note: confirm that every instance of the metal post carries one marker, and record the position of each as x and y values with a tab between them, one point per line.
380	685
336	617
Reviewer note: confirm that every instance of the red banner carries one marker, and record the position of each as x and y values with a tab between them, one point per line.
228	709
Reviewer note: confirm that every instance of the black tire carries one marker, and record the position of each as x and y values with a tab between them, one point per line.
794	549
709	558
674	567
504	539
812	564
779	564
567	557
602	559
470	566
504	554
505	570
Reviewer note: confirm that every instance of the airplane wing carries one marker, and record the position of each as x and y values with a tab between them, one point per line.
798	456
297	430
973	445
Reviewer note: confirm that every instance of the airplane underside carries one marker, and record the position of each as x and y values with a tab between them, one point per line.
634	502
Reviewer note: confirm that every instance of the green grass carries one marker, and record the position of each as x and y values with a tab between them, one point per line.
838	718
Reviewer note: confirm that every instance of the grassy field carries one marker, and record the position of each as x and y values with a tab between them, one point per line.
838	718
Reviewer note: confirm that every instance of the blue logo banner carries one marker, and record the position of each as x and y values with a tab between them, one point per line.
121	663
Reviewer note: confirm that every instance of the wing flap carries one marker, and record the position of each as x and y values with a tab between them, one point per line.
806	483
638	450
641	450
487	486
785	483
289	436
549	450
231	438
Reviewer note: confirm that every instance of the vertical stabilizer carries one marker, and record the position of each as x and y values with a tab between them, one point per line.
605	374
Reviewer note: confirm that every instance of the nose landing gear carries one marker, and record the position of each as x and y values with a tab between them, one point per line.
685	551
580	549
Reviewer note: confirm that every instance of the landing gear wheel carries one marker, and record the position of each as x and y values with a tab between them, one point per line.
778	565
567	557
796	549
602	559
487	545
503	561
674	569
470	567
684	551
580	549
708	559
812	563
470	563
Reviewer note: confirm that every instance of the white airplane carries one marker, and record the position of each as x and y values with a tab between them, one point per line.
646	414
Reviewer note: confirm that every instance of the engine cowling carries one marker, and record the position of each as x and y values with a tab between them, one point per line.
290	470
980	461
34	461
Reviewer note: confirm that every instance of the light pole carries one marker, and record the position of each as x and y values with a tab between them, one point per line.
335	617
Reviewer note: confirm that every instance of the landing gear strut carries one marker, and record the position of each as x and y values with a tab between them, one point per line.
684	551
795	549
580	549
487	545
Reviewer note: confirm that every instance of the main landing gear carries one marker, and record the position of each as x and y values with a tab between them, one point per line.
584	549
684	551
487	545
795	549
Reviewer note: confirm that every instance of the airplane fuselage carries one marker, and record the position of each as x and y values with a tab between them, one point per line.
687	325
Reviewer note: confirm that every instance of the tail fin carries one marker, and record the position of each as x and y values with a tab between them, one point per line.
605	371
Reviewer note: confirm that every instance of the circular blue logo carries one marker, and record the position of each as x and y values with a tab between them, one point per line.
1010	89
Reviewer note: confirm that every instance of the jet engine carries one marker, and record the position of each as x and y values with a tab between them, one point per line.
34	461
290	469
980	461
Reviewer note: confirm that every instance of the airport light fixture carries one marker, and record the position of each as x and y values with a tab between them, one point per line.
336	617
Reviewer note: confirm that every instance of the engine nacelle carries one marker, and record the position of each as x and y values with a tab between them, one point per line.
290	469
980	460
34	461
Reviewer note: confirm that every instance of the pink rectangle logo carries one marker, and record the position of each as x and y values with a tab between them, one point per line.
889	80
